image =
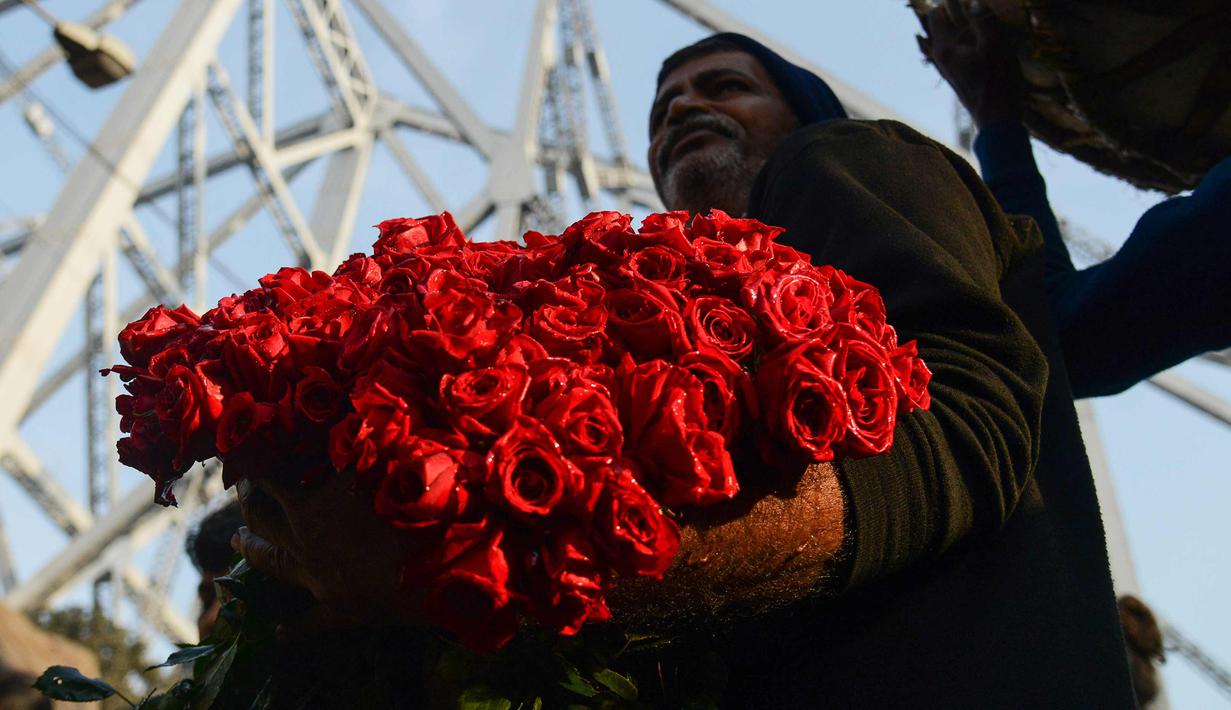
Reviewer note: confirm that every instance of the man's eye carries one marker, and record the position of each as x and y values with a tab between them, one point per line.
731	85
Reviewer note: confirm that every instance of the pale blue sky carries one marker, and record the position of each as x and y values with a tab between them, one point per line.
1168	461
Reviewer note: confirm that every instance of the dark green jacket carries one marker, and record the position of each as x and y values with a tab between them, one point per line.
978	573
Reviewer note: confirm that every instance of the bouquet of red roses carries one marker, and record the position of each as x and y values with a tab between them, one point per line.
532	412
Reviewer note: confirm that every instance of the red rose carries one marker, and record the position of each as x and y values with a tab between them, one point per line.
292	284
599	237
241	418
317	396
484	402
571	584
399	281
360	269
231	309
462	317
498	264
912	377
526	472
151	454
366	340
521	349
718	264
175	356
401	237
583	419
871	394
728	391
188	407
803	404
793	305
256	355
571	331
542	258
666	429
666	229
659	264
471	599
423	484
693	464
859	304
548	375
647	319
649	389
631	529
747	235
718	323
155	331
387	410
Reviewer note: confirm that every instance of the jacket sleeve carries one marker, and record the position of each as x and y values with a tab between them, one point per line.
1010	172
895	209
1160	300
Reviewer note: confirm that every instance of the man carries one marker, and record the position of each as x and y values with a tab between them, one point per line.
964	568
209	548
970	573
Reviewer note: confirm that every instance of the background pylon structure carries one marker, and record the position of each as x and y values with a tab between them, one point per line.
195	121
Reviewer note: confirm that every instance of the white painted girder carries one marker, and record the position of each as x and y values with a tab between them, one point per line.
41	294
451	102
337	200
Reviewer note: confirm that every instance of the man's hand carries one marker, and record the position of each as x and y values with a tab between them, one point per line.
975	54
327	540
754	553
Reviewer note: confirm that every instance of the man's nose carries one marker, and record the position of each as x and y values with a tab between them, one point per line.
683	106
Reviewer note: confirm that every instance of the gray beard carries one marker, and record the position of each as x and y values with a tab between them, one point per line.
720	177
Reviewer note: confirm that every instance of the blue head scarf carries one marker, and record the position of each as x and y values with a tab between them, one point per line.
806	93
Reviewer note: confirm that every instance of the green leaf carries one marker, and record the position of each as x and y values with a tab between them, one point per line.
481	697
622	686
174	699
210	682
186	655
577	684
64	683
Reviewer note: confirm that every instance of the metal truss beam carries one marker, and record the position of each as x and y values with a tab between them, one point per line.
135	518
337	200
223	232
8	569
27	470
42	292
259	159
416	61
1193	395
413	171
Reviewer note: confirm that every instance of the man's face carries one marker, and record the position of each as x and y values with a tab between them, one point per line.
207	595
715	121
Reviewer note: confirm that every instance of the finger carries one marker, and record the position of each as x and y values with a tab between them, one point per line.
319	618
957	13
264	514
941	29
268	558
986	27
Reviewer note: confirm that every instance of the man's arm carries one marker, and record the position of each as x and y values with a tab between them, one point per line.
753	553
894	209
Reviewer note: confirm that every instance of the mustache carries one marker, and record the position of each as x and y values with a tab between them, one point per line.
721	125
